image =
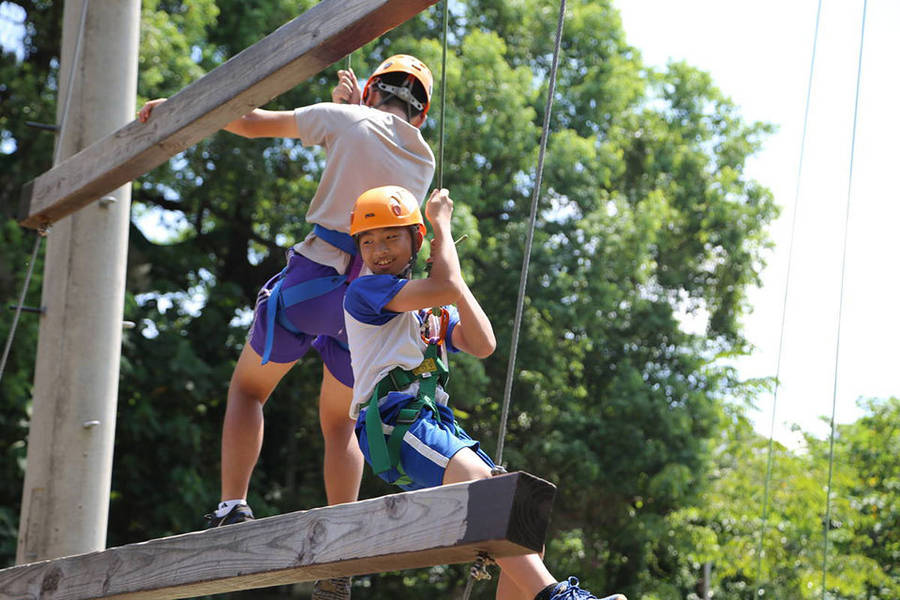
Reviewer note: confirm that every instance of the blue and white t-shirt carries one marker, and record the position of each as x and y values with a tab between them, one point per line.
381	339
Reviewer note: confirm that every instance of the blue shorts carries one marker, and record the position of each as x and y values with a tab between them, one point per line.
428	445
321	319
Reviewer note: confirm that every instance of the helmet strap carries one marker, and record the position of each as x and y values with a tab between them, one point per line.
407	272
413	236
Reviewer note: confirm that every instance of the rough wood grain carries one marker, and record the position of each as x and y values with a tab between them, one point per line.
504	516
299	49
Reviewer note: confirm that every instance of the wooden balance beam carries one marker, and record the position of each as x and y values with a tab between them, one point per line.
506	515
294	52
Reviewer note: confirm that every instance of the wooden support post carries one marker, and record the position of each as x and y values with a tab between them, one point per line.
504	516
65	497
299	49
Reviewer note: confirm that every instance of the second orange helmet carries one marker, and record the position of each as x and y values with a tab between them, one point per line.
386	206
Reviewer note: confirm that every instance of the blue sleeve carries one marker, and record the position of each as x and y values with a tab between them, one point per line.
367	295
454	321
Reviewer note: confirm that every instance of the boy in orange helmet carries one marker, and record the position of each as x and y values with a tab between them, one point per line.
405	428
372	137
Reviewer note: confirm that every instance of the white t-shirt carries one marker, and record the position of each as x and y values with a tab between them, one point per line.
366	148
381	339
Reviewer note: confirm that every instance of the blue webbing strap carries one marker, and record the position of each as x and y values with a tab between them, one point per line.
311	288
280	300
337	239
271	309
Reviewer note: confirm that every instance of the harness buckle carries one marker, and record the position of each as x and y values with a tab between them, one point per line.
408	416
425	368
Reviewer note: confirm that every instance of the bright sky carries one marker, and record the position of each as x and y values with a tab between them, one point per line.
759	54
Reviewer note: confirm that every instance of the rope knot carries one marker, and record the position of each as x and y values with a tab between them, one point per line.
479	569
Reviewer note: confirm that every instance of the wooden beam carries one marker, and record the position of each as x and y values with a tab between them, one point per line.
299	49
504	516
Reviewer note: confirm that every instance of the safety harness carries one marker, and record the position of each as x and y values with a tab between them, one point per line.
385	454
281	298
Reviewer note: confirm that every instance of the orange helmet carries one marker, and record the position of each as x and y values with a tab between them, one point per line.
386	206
415	69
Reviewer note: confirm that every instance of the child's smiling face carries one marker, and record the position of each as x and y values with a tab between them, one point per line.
386	250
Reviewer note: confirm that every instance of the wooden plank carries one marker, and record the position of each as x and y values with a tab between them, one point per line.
504	516
299	49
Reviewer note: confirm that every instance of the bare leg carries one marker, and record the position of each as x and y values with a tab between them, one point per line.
508	590
521	576
344	460
242	432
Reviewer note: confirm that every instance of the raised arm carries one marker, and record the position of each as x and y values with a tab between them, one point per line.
445	285
473	333
265	123
257	123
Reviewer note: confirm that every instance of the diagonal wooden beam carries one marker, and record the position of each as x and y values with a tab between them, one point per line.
504	516
299	49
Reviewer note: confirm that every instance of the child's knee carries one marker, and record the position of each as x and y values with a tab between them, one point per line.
246	398
337	427
465	465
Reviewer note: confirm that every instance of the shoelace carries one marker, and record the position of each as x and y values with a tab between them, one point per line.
573	592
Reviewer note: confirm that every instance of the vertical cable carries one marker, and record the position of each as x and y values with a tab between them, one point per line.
837	346
545	132
535	196
76	55
787	281
20	303
440	169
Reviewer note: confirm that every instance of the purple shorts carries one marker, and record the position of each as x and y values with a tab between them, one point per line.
321	319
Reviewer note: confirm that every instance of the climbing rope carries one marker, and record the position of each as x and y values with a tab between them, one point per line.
787	280
530	238
479	570
837	347
440	173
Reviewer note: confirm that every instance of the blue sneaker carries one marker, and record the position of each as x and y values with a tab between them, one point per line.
569	590
238	514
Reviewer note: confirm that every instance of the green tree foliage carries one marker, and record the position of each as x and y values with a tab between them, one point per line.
648	237
864	550
863	531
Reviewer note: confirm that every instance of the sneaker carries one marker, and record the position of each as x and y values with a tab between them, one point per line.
238	514
569	590
332	589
